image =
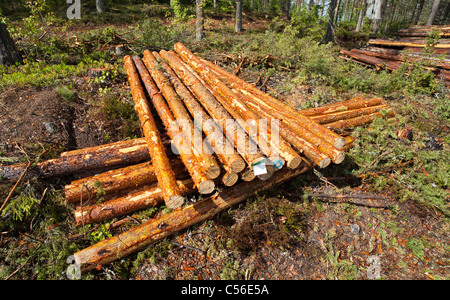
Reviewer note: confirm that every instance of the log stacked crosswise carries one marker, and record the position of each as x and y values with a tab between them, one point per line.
409	46
213	141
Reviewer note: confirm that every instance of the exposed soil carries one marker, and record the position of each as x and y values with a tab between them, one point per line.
36	116
43	116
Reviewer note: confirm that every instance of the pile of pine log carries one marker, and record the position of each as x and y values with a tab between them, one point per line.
408	46
174	88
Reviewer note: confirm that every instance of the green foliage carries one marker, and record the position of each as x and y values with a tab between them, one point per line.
308	23
42	74
417	246
21	207
412	170
181	12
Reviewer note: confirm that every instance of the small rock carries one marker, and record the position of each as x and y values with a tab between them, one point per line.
49	127
354	228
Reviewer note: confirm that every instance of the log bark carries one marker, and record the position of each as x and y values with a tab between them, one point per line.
192	134
275	160
144	235
357	121
378	62
333	117
282	109
235	134
202	183
85	160
407	43
164	173
113	181
130	203
309	144
222	147
269	145
354	103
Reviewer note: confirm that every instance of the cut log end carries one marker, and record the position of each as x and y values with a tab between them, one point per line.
174	202
230	179
277	162
294	162
206	187
212	172
339	143
237	166
270	171
339	158
248	175
325	162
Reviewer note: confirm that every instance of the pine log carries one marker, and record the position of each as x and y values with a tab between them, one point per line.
333	117
138	143
191	133
237	136
276	158
270	146
222	147
122	153
354	103
137	200
249	129
312	147
144	235
283	110
408	43
248	175
382	63
135	151
357	121
230	178
113	181
433	62
202	183
164	173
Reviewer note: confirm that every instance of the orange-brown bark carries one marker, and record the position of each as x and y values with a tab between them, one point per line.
164	173
202	183
113	181
143	235
191	133
137	200
237	136
224	150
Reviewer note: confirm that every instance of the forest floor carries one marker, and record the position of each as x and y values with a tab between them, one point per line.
284	233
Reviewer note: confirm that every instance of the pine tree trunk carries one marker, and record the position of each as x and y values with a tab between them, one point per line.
434	10
8	51
238	24
330	27
199	25
101	8
379	16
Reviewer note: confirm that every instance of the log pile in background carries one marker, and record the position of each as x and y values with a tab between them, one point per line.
392	53
141	173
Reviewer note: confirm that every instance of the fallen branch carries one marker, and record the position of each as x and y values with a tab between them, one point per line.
366	200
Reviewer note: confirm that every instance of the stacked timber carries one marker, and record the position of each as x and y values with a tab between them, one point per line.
218	141
409	46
